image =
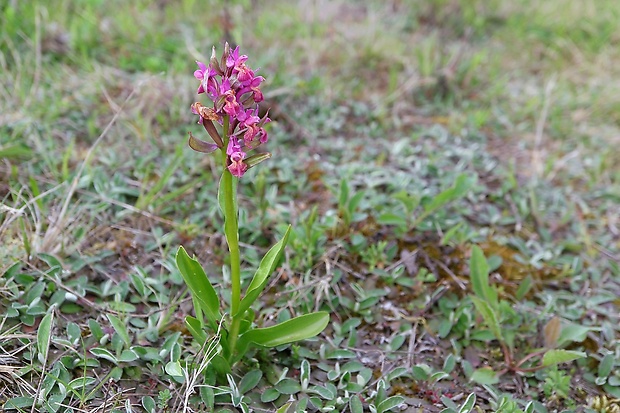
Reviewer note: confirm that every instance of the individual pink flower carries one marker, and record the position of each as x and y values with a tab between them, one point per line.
227	100
237	168
248	117
254	133
236	156
233	59
206	75
233	146
253	87
244	73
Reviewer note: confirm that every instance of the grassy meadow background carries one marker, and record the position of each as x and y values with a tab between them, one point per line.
511	108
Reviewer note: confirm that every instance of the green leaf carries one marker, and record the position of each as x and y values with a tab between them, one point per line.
15	151
612	391
149	404
249	381
524	287
489	316
288	386
200	286
462	184
301	406
128	356
389	218
174	369
396	373
484	375
104	354
120	329
606	365
18	403
295	329
449	404
344	194
355	405
573	333
420	373
355	201
95	329
44	335
195	327
438	376
469	404
390	403
552	357
220	364
269	395
410	202
81	383
284	408
449	363
478	272
207	395
479	276
324	392
265	269
74	333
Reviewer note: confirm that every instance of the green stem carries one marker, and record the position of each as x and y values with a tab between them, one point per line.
231	228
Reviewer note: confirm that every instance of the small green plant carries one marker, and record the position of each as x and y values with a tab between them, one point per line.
466	407
607	375
235	91
348	204
410	215
493	311
556	385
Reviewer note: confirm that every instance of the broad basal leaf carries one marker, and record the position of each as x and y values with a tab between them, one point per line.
265	269
295	329
199	285
195	327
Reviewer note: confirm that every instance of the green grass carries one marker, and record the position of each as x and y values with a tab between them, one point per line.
379	109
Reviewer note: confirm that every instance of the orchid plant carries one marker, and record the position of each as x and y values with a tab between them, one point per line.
235	128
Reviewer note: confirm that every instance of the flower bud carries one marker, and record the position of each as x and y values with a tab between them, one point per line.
225	55
214	63
257	158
